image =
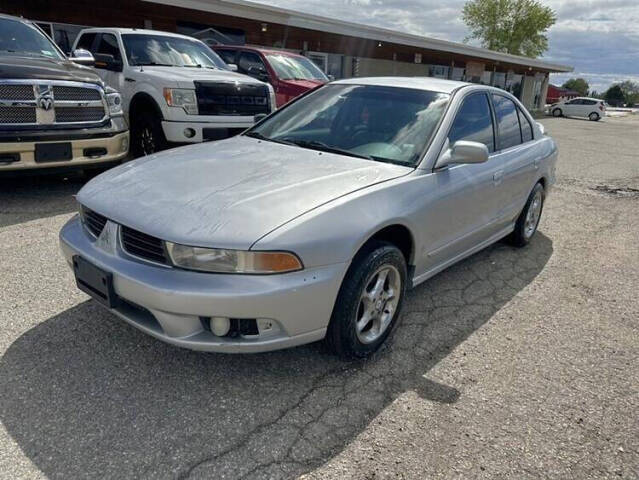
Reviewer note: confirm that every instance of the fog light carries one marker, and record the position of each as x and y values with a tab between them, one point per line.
124	144
189	133
220	326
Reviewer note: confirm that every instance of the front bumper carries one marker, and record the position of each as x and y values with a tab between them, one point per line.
167	303
20	155
176	132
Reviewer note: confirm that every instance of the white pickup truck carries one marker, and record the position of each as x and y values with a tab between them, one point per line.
174	88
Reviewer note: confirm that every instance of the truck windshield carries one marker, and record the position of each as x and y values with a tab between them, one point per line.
22	38
295	68
386	124
163	50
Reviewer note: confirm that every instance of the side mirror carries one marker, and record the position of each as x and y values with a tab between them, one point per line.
541	128
232	67
107	62
82	57
331	77
258	72
463	151
259	117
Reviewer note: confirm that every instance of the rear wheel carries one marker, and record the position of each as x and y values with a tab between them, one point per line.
369	301
147	136
594	117
557	112
528	220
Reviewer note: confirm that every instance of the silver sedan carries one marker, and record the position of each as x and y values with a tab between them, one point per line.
314	223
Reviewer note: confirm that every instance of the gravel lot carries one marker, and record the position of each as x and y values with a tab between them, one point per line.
512	364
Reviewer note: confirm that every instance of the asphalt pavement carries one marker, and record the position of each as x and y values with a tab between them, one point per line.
511	364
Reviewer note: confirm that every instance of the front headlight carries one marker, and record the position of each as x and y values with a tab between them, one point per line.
114	101
232	261
181	97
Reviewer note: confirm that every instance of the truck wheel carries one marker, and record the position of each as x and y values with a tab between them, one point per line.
147	136
369	301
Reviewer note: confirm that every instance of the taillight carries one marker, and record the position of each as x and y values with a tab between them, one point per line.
601	107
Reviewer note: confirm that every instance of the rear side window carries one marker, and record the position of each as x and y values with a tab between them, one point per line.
589	102
526	127
507	121
474	122
86	41
227	55
248	60
109	45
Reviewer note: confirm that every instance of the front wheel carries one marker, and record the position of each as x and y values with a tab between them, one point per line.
147	136
528	220
369	301
557	112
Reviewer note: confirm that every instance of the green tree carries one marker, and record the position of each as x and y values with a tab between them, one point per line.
614	95
630	91
579	85
511	26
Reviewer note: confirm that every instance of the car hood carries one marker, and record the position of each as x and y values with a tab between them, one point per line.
24	67
185	76
227	194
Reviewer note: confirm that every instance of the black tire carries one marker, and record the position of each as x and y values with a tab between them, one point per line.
557	112
594	117
521	236
342	337
147	136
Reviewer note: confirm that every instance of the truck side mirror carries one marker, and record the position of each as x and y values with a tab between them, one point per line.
82	57
107	62
232	67
258	72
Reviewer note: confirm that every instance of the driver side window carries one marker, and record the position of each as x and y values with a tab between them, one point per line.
248	60
474	122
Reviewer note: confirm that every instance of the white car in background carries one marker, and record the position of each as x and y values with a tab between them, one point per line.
592	108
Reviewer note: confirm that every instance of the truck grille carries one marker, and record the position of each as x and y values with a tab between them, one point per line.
17	115
231	98
41	104
142	245
94	222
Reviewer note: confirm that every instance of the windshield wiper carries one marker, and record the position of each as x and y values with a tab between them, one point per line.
322	147
154	64
259	136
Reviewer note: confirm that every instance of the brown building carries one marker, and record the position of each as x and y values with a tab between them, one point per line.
340	48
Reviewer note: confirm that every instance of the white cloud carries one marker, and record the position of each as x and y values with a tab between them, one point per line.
596	36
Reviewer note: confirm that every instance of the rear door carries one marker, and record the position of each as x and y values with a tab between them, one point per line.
516	150
573	107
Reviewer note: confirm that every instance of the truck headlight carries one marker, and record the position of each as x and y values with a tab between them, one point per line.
232	261
181	97
114	101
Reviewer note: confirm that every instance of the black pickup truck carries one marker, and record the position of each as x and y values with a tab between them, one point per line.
54	112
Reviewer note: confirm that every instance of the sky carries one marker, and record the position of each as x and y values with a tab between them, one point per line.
599	38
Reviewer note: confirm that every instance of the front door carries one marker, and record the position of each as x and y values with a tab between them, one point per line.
464	210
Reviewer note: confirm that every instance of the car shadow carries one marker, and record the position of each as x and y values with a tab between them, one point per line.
28	197
85	395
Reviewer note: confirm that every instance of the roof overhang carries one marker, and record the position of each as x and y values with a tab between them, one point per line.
270	14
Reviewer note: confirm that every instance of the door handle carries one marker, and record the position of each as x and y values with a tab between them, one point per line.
536	163
497	176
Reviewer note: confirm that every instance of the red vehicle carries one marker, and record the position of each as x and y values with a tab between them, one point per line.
290	74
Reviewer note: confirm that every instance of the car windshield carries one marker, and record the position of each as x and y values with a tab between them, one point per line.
295	68
388	124
167	51
20	38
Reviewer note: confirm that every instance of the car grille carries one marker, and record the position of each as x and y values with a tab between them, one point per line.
231	98
67	103
94	222
143	246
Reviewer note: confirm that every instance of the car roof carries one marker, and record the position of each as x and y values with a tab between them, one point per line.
258	49
137	31
420	83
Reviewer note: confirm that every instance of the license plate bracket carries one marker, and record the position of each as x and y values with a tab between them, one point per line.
53	152
94	281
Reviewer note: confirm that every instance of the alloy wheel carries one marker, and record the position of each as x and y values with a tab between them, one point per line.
378	303
533	214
